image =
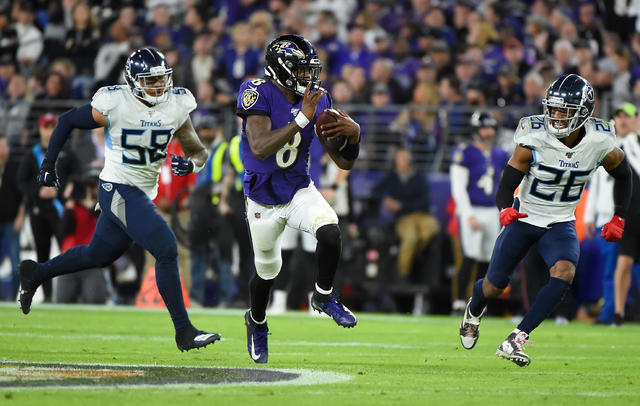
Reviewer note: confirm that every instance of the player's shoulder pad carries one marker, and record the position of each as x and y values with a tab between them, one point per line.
601	132
457	157
184	98
530	132
107	98
250	91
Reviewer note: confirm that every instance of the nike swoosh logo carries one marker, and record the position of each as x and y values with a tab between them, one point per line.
202	337
253	351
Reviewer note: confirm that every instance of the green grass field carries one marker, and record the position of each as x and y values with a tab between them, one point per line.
390	359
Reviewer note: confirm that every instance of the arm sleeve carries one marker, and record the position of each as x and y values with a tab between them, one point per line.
459	181
78	117
590	206
511	178
622	188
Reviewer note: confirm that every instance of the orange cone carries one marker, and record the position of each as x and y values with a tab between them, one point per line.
149	297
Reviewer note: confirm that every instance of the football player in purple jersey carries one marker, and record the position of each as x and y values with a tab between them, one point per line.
279	113
475	173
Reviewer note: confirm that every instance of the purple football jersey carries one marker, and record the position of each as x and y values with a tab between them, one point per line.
278	177
484	172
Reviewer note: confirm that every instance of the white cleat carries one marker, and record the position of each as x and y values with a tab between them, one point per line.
470	328
512	348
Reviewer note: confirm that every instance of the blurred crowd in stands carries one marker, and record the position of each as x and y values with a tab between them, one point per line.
416	68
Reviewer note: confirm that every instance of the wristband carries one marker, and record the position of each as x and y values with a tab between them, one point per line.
301	120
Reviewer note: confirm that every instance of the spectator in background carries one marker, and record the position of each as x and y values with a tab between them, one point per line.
202	62
451	100
564	57
509	91
356	78
209	233
405	196
436	20
160	31
30	41
8	39
461	11
238	11
14	111
627	125
341	92
440	52
538	36
465	70
514	55
82	39
195	24
382	73
357	53
533	89
261	25
44	204
241	60
77	226
589	27
11	216
327	26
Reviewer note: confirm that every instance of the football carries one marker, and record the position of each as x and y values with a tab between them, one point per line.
324	118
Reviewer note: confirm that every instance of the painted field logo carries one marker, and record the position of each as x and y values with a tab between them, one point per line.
29	375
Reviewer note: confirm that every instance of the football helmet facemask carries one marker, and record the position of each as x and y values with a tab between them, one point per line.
148	75
568	103
293	62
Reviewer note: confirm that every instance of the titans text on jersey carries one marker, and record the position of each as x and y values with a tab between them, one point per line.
137	135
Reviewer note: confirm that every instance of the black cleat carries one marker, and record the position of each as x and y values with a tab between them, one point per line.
28	284
190	337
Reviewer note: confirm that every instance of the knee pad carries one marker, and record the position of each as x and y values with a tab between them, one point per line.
329	235
268	264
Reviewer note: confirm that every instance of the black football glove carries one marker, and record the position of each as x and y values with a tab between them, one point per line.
47	175
181	166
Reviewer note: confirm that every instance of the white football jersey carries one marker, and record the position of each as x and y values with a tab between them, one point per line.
137	135
553	184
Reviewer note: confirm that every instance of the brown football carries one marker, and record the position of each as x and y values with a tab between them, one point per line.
325	118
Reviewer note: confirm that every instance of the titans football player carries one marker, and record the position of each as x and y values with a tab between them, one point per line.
139	120
556	153
279	114
474	175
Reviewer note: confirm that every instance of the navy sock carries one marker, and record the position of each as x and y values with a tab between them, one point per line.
478	300
546	300
168	281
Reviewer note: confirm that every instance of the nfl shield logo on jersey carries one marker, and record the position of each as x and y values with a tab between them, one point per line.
569	154
249	98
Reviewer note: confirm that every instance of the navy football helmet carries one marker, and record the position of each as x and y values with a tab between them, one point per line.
293	62
573	97
148	75
479	121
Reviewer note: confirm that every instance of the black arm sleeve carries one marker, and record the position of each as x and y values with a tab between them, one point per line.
622	187
78	117
511	178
